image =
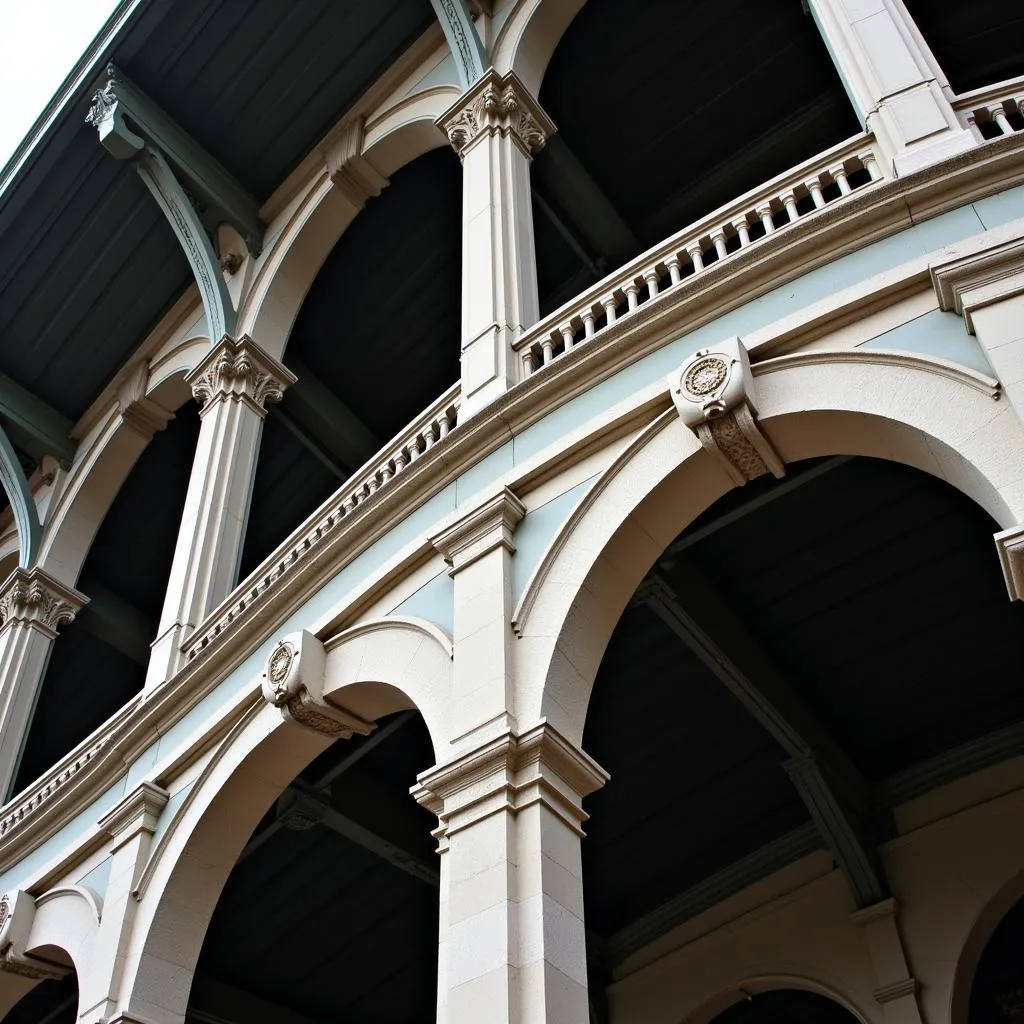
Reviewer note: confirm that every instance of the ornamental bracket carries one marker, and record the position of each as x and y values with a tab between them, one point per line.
194	191
713	394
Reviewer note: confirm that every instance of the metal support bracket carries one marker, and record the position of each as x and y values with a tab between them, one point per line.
196	196
467	49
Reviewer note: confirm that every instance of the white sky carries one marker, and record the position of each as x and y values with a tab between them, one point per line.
40	41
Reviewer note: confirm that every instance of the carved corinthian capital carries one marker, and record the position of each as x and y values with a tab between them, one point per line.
497	105
33	597
714	395
240	371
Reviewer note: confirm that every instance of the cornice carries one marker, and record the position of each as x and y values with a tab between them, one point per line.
302	563
971	283
480	531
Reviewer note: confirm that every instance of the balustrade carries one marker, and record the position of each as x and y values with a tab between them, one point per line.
994	111
799	193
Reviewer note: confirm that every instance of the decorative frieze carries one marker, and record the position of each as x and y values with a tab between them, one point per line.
497	105
240	371
293	681
713	394
33	597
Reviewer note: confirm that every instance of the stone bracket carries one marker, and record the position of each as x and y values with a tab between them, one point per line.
293	682
713	394
348	169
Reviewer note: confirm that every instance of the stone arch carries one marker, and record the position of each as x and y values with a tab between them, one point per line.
371	669
808	981
923	413
390	141
529	37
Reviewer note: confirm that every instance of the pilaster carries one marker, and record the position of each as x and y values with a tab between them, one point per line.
897	989
130	825
495	127
479	549
234	384
893	81
33	607
512	935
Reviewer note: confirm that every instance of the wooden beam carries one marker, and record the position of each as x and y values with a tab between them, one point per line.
42	425
831	787
471	58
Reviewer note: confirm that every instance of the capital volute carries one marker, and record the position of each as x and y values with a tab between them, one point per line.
239	370
32	597
497	105
483	529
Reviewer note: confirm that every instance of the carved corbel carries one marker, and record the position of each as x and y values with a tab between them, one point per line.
140	413
713	394
348	169
293	682
17	912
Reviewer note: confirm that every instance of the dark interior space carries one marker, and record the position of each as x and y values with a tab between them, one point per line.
785	1006
976	44
658	128
997	994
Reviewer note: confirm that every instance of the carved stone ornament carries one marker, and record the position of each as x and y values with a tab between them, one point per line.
34	597
713	394
242	371
349	170
497	105
142	414
293	682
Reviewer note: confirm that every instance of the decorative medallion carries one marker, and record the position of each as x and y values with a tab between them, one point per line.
5	910
275	688
706	376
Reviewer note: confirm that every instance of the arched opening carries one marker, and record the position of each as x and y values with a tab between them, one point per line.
343	869
52	1001
666	111
375	342
997	992
99	661
788	668
785	1006
975	44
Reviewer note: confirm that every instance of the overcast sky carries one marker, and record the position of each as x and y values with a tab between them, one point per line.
40	41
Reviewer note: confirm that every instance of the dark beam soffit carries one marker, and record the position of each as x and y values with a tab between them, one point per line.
471	58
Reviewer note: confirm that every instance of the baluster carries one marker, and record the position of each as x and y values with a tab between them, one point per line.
870	163
547	347
651	278
401	460
718	241
813	185
609	304
632	290
742	228
839	177
386	472
788	200
696	254
764	211
428	437
998	114
568	336
588	323
443	425
674	274
529	362
413	447
372	485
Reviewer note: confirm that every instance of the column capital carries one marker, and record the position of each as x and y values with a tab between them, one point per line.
970	283
480	531
137	812
33	597
510	772
241	371
497	105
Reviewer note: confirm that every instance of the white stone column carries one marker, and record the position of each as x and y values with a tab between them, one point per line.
33	606
234	384
495	128
131	825
892	80
512	938
897	988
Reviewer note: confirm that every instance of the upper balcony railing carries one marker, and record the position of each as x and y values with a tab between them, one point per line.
392	460
800	192
995	110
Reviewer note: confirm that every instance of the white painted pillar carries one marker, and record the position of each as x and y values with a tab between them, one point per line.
897	988
131	825
234	384
495	128
512	938
33	606
893	81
